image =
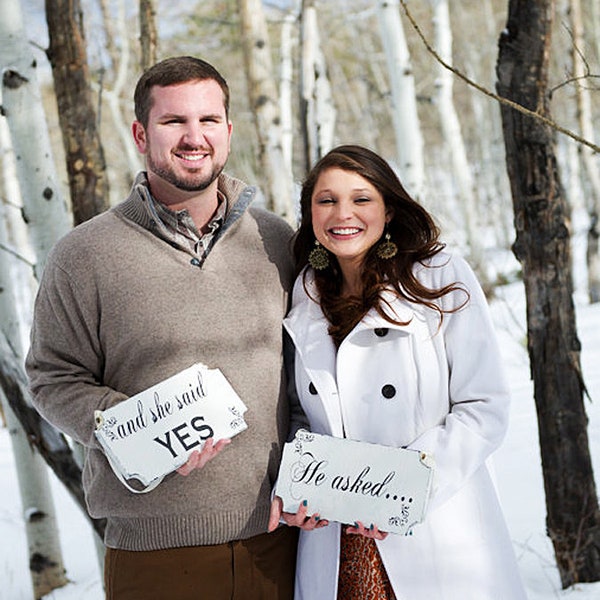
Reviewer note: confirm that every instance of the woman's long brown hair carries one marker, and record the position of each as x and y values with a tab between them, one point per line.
411	228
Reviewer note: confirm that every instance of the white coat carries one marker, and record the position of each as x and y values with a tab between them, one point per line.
436	389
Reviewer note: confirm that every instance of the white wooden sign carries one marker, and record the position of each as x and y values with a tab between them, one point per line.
348	481
153	433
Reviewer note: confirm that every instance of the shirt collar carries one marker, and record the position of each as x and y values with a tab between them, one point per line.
179	228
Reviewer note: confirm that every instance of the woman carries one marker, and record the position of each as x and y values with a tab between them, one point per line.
394	345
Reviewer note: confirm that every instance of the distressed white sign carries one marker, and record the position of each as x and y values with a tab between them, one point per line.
348	481
153	433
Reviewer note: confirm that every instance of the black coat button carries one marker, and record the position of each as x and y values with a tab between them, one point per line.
312	389
388	391
381	331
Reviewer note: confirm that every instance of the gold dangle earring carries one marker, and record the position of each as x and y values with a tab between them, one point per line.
387	249
318	257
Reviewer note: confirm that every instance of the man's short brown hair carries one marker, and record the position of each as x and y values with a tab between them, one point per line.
171	71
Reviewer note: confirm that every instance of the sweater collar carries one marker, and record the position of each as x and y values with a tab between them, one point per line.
239	196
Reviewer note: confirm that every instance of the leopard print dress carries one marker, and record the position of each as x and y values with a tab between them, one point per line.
362	575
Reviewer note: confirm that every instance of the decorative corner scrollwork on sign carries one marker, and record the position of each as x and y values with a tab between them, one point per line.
238	422
106	425
396	521
302	437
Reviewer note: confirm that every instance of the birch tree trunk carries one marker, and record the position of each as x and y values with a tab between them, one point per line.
453	139
595	10
543	248
351	97
84	155
409	140
112	96
48	219
285	90
43	206
588	157
148	33
491	184
317	107
45	558
21	105
47	440
107	22
18	248
264	104
46	567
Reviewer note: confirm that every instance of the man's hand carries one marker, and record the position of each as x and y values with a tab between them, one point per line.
198	459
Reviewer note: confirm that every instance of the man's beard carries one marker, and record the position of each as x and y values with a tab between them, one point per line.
192	183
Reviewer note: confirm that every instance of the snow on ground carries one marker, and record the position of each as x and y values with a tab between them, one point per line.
517	467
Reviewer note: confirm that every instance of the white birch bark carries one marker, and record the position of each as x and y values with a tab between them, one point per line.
589	159
47	218
112	96
319	109
45	560
44	208
492	186
264	103
595	34
285	89
18	249
351	98
493	200
409	140
571	167
453	138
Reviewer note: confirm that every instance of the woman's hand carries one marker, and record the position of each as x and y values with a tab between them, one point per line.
198	459
298	519
371	532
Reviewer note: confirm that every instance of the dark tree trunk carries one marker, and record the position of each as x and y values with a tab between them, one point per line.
542	247
86	167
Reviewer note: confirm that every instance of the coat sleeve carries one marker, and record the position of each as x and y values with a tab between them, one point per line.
477	420
65	361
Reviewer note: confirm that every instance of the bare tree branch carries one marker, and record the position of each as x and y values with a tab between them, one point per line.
490	94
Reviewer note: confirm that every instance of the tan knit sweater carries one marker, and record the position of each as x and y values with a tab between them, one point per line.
120	309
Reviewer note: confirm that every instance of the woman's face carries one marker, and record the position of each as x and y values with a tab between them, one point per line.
348	215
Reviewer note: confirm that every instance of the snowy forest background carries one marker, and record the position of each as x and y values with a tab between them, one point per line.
415	81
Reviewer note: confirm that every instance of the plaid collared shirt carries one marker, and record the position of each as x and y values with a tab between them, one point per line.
178	226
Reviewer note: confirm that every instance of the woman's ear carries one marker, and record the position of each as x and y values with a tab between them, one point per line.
389	214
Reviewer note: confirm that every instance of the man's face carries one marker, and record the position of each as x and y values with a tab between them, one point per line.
187	140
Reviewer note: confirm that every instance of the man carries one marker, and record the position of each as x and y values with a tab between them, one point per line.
183	271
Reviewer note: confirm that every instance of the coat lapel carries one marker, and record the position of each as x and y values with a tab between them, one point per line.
307	327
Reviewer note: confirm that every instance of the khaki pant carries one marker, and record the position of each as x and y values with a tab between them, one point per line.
259	568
